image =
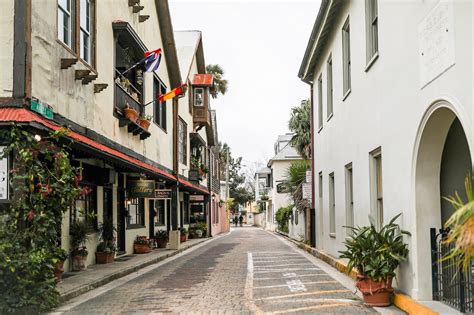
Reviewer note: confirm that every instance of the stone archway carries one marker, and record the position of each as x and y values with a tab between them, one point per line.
440	156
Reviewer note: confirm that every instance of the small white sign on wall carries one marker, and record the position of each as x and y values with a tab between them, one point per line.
307	191
3	176
436	40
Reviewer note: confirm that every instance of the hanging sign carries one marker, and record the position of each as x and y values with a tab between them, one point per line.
3	176
163	193
141	188
42	108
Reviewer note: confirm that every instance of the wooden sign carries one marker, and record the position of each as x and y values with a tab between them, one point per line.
141	188
163	194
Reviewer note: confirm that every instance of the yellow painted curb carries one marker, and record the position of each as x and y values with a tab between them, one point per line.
410	306
401	301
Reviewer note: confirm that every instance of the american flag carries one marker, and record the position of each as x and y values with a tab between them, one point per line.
152	60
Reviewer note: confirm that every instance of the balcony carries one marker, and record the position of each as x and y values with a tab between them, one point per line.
127	95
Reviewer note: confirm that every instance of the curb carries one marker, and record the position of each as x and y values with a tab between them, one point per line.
111	277
400	300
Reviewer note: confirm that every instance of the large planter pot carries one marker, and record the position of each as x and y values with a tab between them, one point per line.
145	124
130	114
141	248
375	293
58	271
104	257
183	238
199	233
79	263
161	243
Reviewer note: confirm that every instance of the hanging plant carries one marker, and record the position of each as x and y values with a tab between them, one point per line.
45	185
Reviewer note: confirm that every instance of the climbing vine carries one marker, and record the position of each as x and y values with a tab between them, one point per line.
44	185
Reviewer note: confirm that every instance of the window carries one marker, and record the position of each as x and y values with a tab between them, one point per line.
349	198
346	58
86	31
329	87
186	209
332	207
320	102
65	21
198	97
160	211
376	185
86	207
136	212
371	28
320	194
182	141
159	108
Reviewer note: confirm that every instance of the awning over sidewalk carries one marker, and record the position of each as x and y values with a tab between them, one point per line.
22	115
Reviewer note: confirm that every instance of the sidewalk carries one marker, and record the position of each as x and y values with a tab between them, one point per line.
77	283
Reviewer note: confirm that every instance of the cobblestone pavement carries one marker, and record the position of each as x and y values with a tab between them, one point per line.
248	271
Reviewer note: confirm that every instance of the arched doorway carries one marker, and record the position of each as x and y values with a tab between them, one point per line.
442	161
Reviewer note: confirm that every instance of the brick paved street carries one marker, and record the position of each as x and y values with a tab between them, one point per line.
247	271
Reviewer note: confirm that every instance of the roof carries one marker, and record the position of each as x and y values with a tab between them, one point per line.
287	153
203	79
327	14
189	45
169	45
264	170
24	115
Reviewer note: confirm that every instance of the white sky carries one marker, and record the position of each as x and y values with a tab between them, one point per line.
260	45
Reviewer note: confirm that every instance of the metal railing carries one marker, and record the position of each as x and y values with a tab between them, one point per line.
451	283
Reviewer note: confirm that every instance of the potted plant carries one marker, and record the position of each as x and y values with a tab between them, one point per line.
144	121
375	254
79	235
106	248
183	235
130	113
201	229
141	245
61	256
161	238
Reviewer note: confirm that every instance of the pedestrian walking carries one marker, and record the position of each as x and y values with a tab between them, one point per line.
241	219
235	221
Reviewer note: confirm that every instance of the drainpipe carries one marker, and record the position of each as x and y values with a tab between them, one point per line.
313	194
175	189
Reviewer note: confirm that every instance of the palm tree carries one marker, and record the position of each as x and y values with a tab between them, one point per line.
300	125
220	84
461	226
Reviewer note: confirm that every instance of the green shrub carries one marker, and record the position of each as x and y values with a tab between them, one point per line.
282	216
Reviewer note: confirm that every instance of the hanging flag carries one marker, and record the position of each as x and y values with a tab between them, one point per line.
173	93
152	59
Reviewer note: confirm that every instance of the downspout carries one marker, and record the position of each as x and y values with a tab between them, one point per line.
313	187
175	190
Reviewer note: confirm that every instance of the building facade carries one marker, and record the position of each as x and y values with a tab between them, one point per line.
77	64
392	120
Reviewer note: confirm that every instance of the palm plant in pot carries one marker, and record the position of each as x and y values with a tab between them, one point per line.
106	248
79	231
376	254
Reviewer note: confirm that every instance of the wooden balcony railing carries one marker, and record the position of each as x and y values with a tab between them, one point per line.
126	94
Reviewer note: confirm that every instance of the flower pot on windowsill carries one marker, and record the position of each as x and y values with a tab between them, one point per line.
375	293
130	113
145	124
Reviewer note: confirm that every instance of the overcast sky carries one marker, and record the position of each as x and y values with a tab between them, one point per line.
260	45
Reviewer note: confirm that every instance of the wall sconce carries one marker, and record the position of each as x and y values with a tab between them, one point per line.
213	197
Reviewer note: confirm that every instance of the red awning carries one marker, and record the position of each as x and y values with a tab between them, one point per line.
203	79
24	115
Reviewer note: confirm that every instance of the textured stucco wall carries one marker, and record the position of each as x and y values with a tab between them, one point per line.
6	47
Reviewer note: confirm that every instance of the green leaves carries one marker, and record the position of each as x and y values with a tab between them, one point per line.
300	125
282	216
376	254
220	84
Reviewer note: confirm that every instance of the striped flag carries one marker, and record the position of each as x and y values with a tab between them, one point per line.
173	93
152	60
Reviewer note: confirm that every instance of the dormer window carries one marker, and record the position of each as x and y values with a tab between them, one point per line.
198	96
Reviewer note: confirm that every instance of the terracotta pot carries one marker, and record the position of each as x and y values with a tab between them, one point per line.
183	238
104	257
59	270
161	243
141	248
375	293
79	263
145	124
130	114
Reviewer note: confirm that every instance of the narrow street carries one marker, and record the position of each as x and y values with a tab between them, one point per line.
246	271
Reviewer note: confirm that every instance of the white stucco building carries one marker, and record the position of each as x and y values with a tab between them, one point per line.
392	103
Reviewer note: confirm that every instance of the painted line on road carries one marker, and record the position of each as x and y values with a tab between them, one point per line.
286	269
308	308
302	294
248	291
311	300
299	276
285	285
283	265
